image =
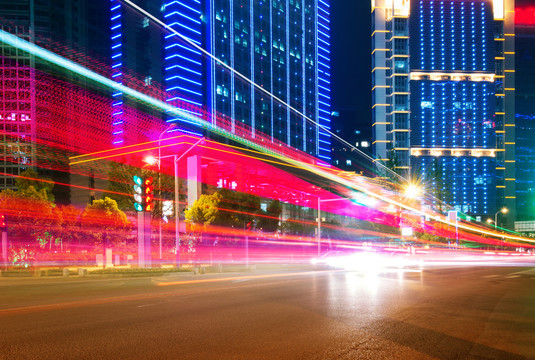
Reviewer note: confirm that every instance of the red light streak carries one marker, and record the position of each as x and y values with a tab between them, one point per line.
87	142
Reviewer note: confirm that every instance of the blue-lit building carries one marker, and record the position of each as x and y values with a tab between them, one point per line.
282	46
135	51
525	113
443	97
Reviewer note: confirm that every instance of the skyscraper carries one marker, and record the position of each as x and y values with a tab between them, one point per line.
525	109
22	102
443	97
135	49
282	46
17	88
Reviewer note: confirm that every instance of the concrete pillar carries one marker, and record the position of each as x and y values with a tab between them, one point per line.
109	260
143	239
194	178
100	260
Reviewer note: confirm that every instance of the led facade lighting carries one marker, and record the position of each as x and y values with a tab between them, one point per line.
116	33
439	68
283	47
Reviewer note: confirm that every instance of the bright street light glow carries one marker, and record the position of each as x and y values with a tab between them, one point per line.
413	191
151	160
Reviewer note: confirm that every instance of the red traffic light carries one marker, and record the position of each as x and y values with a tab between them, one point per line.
149	188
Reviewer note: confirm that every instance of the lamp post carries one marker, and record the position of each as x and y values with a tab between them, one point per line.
176	159
171	126
503	210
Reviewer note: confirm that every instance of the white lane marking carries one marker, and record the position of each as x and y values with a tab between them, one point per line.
512	276
490	276
240	280
145	305
525	272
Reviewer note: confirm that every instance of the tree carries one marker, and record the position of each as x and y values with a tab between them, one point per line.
30	215
205	210
69	219
28	211
224	208
108	222
41	184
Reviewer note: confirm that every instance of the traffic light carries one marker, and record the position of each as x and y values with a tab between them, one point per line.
138	193
149	194
143	193
3	224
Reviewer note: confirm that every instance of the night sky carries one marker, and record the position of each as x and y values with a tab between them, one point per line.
351	65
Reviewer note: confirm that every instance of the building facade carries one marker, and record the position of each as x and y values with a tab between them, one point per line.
282	46
443	97
525	110
75	24
17	88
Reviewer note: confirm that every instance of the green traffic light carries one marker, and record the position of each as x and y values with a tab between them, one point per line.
138	180
138	207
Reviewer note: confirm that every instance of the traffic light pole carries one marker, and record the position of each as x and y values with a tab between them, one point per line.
143	203
143	239
176	159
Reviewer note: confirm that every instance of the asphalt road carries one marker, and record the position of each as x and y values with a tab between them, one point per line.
459	312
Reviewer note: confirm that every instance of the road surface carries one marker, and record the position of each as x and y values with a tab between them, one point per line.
439	312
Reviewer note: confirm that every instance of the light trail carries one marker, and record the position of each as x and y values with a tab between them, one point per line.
326	173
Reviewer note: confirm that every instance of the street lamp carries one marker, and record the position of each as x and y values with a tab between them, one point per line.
413	190
503	210
176	159
171	126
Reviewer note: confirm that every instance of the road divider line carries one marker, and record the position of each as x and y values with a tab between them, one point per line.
236	278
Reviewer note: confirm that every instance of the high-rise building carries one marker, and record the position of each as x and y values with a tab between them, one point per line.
525	109
281	46
17	87
136	51
443	97
75	24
